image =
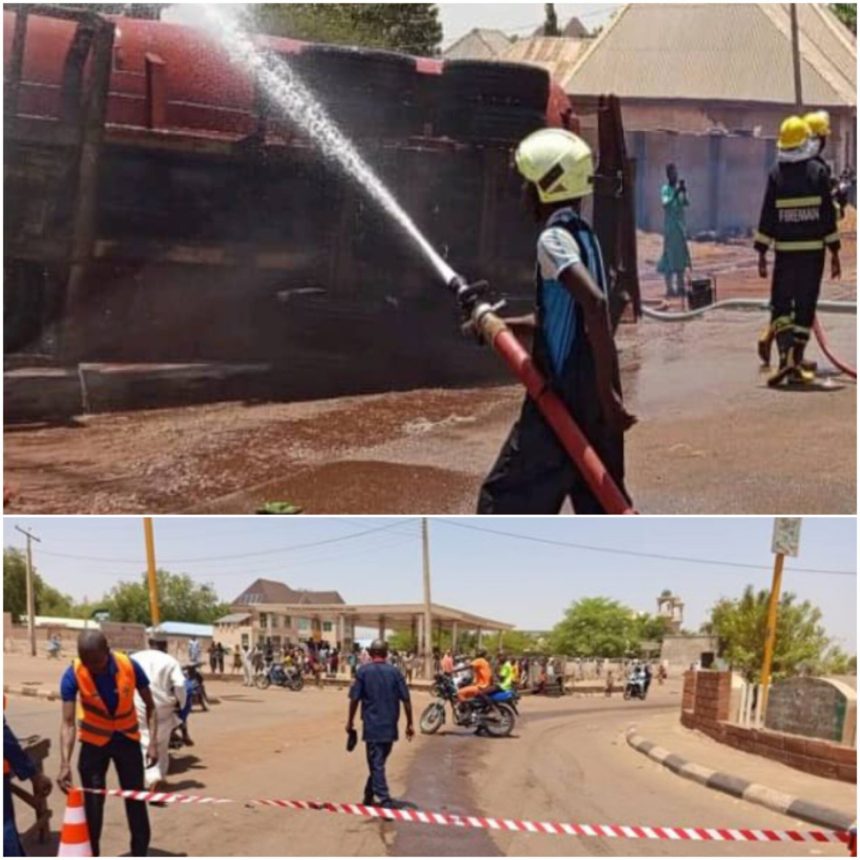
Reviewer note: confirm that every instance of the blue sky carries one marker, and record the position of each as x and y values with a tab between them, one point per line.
526	583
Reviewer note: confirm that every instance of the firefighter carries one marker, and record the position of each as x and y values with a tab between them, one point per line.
798	219
573	344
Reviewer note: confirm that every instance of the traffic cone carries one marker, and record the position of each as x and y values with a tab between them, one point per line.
75	836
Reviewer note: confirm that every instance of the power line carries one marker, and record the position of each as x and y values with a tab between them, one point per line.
201	559
637	553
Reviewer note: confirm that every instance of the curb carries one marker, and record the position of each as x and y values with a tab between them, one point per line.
743	789
32	692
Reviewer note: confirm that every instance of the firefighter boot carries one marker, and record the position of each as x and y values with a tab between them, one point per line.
802	373
765	345
784	336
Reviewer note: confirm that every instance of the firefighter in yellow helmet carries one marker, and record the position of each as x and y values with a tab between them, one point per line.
798	221
573	345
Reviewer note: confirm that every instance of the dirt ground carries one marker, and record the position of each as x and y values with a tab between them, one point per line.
567	761
711	438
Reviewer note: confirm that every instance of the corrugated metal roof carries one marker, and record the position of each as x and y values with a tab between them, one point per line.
270	591
556	54
478	44
234	618
182	628
718	51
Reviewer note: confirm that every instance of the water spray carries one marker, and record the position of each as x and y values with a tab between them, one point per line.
301	106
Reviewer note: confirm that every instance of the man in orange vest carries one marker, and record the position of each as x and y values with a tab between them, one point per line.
17	763
98	693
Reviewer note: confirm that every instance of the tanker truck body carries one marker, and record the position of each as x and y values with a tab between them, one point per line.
161	210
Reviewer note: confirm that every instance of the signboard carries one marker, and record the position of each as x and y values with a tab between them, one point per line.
786	536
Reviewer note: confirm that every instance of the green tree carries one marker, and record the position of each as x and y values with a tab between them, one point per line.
596	627
847	14
14	582
179	599
550	25
518	642
741	625
47	600
836	662
413	28
150	11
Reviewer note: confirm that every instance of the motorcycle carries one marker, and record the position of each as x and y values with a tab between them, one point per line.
636	687
280	676
494	712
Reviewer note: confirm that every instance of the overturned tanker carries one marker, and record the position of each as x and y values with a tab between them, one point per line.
162	216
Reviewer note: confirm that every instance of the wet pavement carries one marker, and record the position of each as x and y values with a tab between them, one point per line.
711	437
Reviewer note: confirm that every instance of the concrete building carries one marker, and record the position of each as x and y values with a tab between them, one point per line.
269	609
706	85
671	607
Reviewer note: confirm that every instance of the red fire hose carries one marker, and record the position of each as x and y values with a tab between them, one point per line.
825	348
503	341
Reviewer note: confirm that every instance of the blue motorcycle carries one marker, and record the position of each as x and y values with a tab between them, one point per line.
493	712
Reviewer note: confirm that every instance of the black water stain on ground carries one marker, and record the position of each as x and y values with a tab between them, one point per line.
438	781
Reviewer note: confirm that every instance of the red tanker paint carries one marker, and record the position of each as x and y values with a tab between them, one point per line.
204	91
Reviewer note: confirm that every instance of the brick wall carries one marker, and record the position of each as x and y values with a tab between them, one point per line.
688	696
705	707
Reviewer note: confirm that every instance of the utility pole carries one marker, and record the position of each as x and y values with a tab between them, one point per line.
151	574
770	634
31	595
427	644
795	55
786	541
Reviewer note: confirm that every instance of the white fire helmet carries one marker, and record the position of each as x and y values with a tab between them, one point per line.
559	164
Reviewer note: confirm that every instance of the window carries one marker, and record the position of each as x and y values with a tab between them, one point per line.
288	622
244	640
275	620
263	619
304	624
328	626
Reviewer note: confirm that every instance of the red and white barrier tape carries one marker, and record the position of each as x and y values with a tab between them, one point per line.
448	819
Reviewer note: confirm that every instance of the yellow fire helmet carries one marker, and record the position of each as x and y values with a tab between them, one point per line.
818	122
793	133
558	163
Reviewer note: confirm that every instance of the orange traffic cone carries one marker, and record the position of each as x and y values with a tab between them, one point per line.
75	837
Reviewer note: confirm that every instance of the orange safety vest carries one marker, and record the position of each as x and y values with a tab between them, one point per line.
95	724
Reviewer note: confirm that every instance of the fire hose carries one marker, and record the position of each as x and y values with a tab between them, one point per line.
492	330
762	304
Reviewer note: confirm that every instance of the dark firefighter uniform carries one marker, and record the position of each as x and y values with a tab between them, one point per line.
799	220
533	473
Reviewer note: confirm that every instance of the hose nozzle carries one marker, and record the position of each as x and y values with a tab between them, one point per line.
467	294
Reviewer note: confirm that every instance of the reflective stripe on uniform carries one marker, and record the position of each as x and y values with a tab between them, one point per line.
762	237
832	239
792	202
805	245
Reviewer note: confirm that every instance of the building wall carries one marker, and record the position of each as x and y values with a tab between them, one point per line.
683	651
723	151
706	704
